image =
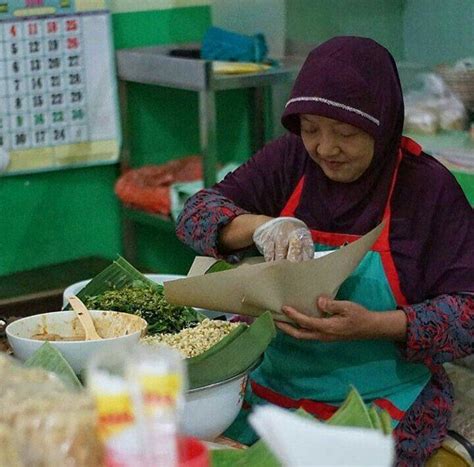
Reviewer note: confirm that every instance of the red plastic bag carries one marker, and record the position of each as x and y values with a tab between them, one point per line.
148	188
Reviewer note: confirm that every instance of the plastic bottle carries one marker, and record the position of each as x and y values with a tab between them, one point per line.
139	395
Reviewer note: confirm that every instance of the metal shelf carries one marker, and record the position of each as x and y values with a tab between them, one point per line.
154	66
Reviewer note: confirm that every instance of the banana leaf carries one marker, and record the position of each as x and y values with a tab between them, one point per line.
116	276
102	292
235	356
257	455
219	266
386	421
49	358
375	418
353	412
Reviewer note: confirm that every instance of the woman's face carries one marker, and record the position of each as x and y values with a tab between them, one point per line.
344	152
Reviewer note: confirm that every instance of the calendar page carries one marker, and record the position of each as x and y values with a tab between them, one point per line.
58	89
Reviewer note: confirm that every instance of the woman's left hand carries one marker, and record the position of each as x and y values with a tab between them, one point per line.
347	321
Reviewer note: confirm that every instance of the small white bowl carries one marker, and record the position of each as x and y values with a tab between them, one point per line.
117	330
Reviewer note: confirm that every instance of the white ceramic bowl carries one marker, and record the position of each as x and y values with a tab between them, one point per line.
117	329
75	288
210	410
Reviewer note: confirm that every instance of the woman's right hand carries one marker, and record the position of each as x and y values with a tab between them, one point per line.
284	238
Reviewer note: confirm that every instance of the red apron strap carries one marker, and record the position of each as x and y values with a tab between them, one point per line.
292	204
411	146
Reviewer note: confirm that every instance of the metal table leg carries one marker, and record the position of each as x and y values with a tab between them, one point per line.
257	103
208	135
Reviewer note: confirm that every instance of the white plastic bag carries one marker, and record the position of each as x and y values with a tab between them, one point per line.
433	107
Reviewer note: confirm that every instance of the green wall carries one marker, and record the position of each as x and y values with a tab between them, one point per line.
163	123
57	216
318	20
442	30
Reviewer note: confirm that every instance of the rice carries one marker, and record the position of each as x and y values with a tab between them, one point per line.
196	340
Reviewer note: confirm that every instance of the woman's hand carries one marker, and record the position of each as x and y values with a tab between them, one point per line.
346	321
284	238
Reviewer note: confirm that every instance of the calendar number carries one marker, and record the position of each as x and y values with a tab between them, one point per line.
53	45
74	78
55	81
73	60
34	47
38	101
56	99
20	139
76	96
37	83
54	63
52	27
58	117
59	134
72	43
35	65
32	29
40	136
71	25
38	119
77	114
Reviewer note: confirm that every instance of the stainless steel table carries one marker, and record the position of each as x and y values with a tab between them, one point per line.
154	66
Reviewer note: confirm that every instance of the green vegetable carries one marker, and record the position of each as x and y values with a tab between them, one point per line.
149	303
49	358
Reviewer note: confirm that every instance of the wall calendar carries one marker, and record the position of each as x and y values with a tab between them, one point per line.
58	89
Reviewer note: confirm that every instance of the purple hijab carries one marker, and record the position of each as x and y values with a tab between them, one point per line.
355	80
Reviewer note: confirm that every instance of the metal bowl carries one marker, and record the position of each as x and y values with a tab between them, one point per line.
211	409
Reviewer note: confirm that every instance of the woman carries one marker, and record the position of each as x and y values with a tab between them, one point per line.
342	169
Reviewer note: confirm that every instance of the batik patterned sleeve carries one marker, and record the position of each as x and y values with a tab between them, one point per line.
204	214
440	330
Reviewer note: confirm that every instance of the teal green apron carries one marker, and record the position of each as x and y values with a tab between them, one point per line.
317	376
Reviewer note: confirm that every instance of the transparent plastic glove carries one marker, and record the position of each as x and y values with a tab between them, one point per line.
284	237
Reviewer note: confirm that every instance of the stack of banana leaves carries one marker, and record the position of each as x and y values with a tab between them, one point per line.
352	413
121	287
